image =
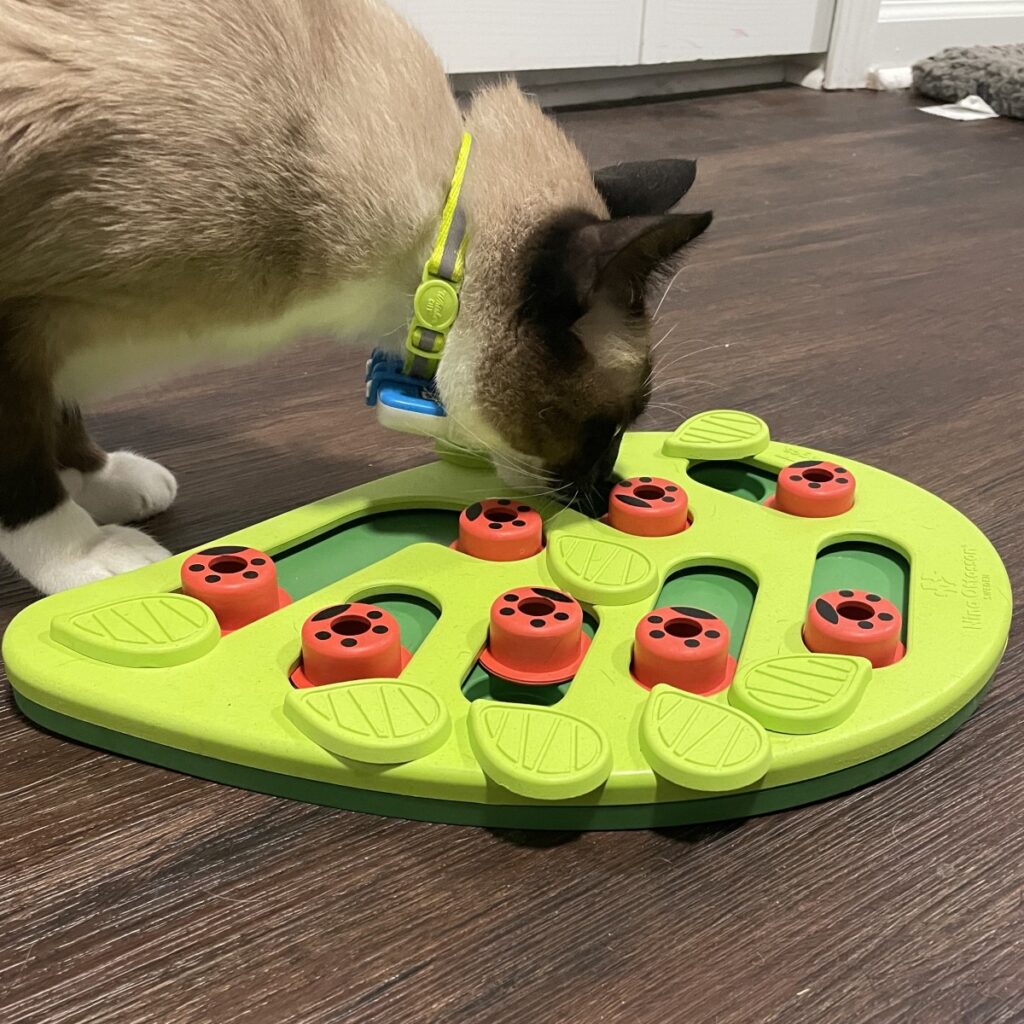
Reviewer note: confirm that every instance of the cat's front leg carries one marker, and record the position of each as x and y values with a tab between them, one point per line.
64	548
44	534
121	487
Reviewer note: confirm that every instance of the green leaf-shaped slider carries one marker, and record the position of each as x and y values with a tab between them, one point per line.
600	571
697	743
152	631
538	752
801	693
719	434
381	721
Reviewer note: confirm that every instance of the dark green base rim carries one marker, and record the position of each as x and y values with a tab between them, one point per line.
569	817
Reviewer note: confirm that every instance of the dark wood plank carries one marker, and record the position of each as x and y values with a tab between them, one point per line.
860	289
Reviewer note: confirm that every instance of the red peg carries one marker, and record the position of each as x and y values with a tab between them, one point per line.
349	641
536	637
814	490
687	648
238	584
500	530
855	622
648	506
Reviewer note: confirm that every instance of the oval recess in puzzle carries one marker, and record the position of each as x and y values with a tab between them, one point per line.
381	721
801	693
538	752
699	744
151	631
719	434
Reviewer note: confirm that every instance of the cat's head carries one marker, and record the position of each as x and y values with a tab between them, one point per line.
567	368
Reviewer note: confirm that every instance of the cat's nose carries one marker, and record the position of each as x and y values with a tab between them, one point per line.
586	482
588	494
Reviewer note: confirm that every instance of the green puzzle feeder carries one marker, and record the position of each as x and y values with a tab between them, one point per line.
823	624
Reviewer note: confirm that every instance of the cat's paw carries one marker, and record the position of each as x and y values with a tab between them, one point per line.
65	549
118	549
127	489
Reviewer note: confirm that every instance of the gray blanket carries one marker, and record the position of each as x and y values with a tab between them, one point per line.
995	73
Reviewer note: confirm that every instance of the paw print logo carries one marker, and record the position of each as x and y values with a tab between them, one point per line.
794	454
939	585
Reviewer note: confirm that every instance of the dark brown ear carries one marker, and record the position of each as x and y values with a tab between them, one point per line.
646	187
573	256
620	255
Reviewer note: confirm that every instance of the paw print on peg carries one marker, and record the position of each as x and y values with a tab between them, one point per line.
684	647
500	530
238	584
536	637
814	490
346	642
855	622
648	506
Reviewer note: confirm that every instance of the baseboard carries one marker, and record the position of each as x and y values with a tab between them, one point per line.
574	87
890	79
807	71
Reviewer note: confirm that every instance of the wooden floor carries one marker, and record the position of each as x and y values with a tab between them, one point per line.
861	289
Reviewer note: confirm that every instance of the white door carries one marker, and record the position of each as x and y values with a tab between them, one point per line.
684	30
522	35
871	34
529	35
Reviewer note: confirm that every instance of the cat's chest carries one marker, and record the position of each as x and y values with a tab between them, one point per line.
118	352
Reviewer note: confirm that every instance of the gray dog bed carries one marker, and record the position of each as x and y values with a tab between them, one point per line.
995	73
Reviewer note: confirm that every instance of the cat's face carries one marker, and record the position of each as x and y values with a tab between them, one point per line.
570	367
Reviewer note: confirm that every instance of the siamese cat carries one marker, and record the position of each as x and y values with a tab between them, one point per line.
193	180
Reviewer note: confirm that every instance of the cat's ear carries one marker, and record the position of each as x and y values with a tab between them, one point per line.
576	258
646	187
618	256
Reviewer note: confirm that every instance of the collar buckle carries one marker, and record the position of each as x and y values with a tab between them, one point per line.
435	307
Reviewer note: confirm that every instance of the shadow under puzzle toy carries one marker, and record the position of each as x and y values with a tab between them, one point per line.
752	626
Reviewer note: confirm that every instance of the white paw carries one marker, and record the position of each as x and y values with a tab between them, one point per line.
127	489
119	549
66	549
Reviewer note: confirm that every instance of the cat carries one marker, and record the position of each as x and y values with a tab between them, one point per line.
193	180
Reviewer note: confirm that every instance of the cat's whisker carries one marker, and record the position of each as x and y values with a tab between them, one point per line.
533	476
566	507
497	455
679	358
664	295
524	493
680	382
663	338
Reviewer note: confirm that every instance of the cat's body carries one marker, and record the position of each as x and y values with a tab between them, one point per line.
185	182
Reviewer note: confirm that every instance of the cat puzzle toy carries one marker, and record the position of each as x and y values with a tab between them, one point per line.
752	626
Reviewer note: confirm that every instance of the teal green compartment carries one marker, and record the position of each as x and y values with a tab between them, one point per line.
740	479
415	617
317	563
481	685
723	592
859	565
